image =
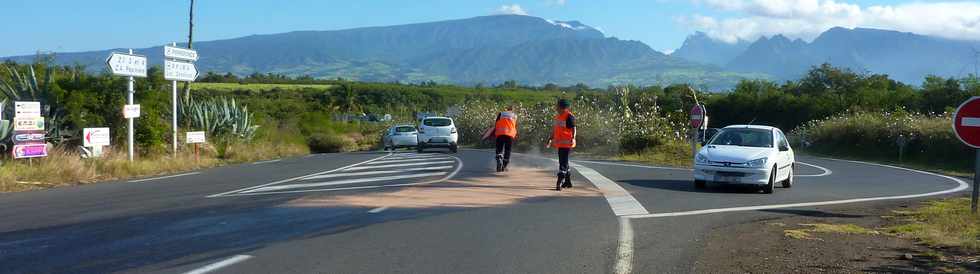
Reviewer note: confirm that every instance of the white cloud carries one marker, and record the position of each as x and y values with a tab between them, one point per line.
668	51
808	18
511	9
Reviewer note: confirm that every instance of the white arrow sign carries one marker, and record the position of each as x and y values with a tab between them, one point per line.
179	71
180	53
127	64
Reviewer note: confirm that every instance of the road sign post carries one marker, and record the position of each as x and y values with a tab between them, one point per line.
966	124
178	66
128	65
698	118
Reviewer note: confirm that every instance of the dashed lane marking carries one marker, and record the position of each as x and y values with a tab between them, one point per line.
396	165
378	172
344	182
378	210
409	160
295	178
164	177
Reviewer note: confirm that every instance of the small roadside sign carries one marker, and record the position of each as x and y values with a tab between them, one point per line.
180	53
131	111
30	151
27	109
195	137
179	71
92	137
697	116
127	64
28	124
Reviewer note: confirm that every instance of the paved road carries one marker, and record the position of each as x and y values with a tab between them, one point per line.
412	213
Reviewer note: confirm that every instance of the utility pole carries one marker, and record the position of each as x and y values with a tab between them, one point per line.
190	42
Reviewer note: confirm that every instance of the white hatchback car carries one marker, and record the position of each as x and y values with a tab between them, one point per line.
400	136
438	132
746	154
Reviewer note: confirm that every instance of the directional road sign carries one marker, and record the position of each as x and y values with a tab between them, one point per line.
179	71
27	109
127	64
180	53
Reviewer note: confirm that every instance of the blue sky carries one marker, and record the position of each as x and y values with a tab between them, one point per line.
63	25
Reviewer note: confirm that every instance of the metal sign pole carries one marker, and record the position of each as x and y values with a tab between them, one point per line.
129	100
174	104
976	184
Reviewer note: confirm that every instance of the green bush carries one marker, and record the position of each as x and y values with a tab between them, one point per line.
329	143
930	140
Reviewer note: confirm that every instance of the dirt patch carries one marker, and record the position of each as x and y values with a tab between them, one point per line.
496	190
837	240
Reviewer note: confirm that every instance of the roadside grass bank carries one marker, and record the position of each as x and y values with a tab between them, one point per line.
67	168
673	154
945	223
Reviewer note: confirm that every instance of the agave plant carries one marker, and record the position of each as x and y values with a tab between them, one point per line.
221	118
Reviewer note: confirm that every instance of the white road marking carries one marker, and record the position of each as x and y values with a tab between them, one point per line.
350	174
163	177
408	160
378	210
345	182
970	122
624	251
221	264
459	167
826	171
294	178
419	156
620	200
962	186
266	162
396	165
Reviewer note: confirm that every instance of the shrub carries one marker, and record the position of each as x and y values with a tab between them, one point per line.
328	142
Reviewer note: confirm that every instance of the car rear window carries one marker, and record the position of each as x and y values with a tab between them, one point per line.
404	129
437	122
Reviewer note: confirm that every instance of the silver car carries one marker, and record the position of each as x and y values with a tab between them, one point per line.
400	136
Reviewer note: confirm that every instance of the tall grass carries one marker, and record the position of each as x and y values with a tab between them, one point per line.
929	139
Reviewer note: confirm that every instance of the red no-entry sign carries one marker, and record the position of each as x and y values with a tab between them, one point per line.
697	116
966	122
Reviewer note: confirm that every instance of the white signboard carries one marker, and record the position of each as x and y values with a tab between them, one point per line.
180	53
127	64
195	137
179	71
131	111
27	109
92	137
29	123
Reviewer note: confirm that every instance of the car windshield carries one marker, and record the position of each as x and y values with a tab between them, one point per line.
437	122
746	137
405	129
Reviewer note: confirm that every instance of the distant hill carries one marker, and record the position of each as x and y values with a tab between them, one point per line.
903	56
486	49
698	47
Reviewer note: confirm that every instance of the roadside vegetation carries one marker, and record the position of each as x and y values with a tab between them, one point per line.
942	223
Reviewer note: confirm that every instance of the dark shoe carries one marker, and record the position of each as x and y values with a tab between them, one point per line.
568	180
559	184
506	162
500	163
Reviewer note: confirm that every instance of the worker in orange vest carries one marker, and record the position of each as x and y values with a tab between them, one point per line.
563	138
505	133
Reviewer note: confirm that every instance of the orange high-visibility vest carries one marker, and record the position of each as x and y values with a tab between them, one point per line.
562	136
506	125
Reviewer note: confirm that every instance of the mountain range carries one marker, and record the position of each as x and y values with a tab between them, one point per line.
903	56
535	51
486	49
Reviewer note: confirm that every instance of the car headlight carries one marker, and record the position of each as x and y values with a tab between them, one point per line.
700	159
761	162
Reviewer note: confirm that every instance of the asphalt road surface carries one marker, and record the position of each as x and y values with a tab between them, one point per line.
406	212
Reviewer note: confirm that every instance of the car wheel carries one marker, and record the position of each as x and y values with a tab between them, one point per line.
768	188
700	184
454	149
788	183
419	148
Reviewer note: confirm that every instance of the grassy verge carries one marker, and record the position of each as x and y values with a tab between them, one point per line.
66	168
942	223
674	154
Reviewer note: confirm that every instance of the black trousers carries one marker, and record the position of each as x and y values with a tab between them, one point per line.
563	154
504	143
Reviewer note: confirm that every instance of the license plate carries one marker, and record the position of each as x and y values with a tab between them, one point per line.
728	179
437	140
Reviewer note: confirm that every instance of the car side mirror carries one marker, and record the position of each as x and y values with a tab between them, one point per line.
783	148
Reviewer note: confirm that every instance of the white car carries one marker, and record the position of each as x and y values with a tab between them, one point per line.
400	136
438	132
746	154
